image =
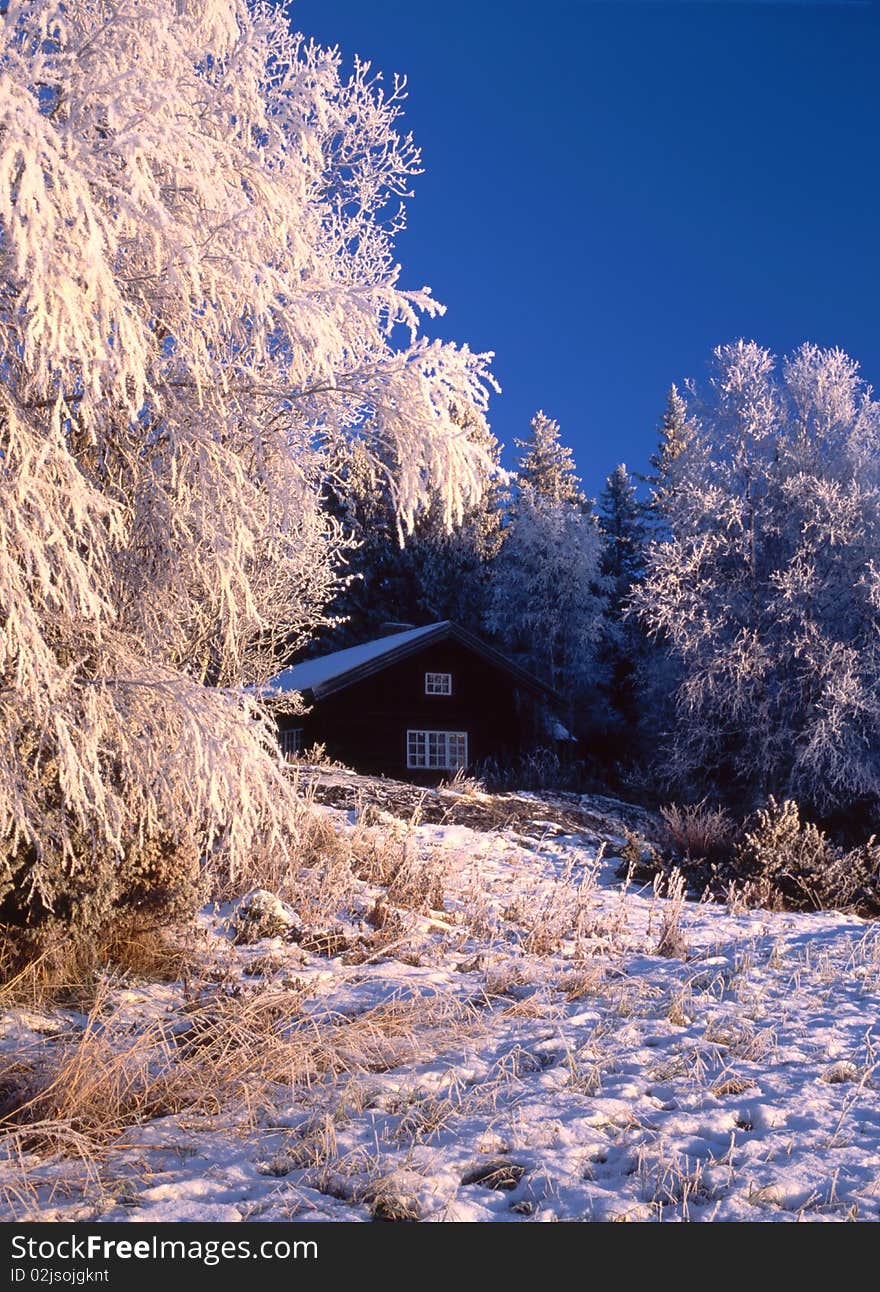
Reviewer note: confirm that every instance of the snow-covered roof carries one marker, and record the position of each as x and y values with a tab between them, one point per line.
314	673
329	673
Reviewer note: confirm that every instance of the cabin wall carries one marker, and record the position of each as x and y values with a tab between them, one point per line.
365	725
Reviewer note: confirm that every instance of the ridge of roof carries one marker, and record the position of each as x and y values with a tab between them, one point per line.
327	674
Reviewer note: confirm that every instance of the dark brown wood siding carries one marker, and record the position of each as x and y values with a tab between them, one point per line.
365	724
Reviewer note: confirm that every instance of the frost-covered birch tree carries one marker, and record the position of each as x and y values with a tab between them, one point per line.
767	592
199	301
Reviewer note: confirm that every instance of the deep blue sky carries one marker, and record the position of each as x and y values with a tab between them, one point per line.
611	190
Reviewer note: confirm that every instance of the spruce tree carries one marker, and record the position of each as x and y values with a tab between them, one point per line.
547	466
624	647
621	520
435	572
548	591
676	431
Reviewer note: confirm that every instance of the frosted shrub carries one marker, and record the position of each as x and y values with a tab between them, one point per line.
789	862
538	769
76	878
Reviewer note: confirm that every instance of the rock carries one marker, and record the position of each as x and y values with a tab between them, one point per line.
497	1173
260	914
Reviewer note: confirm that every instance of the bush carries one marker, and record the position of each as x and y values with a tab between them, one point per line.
540	769
788	862
83	885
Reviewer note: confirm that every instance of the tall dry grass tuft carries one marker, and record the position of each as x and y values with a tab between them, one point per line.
59	969
672	942
700	832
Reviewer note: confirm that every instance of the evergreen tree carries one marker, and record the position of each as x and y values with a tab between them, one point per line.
676	431
547	466
624	647
621	521
433	573
450	568
548	592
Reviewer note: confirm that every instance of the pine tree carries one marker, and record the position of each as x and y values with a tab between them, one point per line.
676	431
621	521
433	573
624	646
450	568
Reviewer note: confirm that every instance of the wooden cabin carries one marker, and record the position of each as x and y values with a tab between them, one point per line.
418	704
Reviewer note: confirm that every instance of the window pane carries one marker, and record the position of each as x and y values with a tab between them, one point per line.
415	749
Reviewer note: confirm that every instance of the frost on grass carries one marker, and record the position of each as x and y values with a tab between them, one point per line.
503	1029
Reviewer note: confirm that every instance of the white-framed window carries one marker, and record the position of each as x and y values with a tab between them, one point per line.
442	750
291	741
438	684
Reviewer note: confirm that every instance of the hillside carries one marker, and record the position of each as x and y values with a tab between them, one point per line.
458	1010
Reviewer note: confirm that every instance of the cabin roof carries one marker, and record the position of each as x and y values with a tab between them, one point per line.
342	668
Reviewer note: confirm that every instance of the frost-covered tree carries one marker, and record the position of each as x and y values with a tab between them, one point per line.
767	592
675	432
548	592
622	524
621	519
451	568
547	465
199	302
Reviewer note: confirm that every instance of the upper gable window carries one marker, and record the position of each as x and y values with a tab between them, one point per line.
438	684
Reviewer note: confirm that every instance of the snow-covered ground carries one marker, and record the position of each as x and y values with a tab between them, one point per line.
521	1052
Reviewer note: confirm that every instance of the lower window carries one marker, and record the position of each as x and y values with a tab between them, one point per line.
444	750
291	741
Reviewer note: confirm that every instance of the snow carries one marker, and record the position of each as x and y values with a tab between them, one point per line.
315	672
560	732
527	1036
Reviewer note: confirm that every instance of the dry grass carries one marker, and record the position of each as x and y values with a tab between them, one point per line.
700	832
234	1051
314	844
672	942
392	857
562	913
63	970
